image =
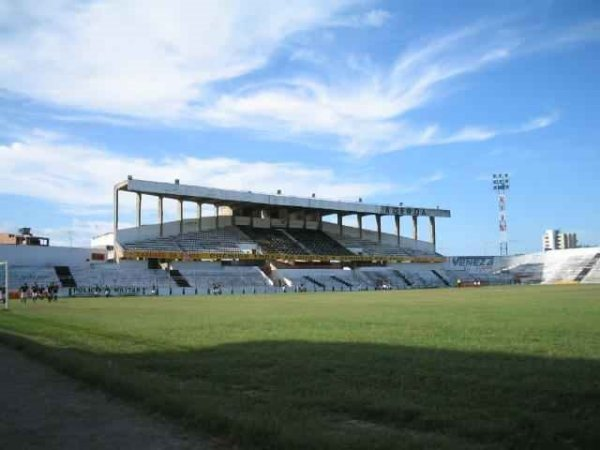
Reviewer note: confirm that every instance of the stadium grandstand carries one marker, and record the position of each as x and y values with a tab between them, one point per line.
258	243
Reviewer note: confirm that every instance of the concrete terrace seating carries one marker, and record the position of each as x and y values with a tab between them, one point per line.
273	240
291	241
166	244
318	242
406	277
528	273
369	247
374	278
226	240
126	274
19	275
564	268
222	240
425	278
485	277
322	279
239	278
594	275
135	274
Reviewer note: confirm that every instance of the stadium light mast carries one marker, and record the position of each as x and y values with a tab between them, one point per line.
501	184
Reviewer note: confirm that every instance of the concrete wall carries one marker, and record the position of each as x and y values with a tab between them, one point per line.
24	255
415	267
103	240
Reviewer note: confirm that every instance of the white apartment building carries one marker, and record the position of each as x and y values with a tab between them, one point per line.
557	240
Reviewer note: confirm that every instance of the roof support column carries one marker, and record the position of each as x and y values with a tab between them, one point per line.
432	225
320	218
199	215
138	209
304	217
397	220
116	212
161	214
340	224
216	217
180	214
359	218
378	220
415	228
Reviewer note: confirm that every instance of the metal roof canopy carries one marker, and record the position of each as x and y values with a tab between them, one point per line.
225	197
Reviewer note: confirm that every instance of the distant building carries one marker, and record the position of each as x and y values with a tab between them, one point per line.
23	237
557	240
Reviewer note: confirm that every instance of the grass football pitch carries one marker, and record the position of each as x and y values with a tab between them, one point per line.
497	367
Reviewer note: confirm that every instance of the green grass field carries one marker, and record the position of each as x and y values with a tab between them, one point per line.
510	367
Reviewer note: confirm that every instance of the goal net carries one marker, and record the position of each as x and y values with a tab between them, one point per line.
4	285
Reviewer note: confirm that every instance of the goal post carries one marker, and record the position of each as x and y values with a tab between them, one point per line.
4	283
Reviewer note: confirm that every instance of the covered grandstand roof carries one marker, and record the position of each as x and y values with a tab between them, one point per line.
250	199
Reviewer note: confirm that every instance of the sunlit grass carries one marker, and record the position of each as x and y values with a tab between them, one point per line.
508	367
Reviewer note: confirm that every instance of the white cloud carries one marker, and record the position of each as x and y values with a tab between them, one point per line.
307	55
78	232
79	179
78	176
539	122
365	122
477	134
376	17
364	107
420	183
371	19
164	60
588	31
140	57
365	110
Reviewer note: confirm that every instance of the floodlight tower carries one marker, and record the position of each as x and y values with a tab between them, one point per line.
501	184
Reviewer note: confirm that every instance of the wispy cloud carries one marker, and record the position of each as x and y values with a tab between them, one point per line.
140	57
78	232
307	55
588	31
365	109
116	59
75	175
365	123
373	18
477	134
421	183
78	178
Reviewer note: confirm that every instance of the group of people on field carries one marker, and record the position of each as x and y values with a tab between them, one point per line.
36	292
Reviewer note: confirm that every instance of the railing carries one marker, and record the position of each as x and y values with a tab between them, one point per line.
218	256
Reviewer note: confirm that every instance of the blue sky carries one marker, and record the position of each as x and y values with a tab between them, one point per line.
415	101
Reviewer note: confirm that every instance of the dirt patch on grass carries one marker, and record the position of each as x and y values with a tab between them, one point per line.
43	409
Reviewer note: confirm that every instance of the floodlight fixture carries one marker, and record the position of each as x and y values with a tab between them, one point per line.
501	185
